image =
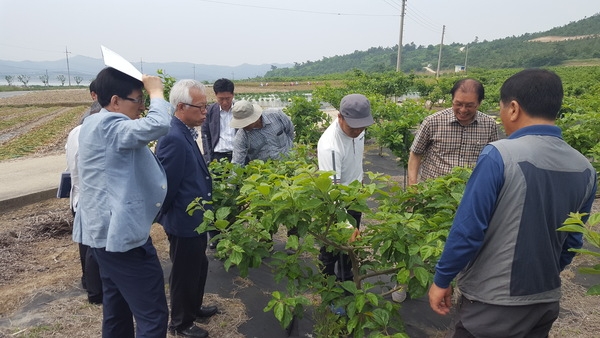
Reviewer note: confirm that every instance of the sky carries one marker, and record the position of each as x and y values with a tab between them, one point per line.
235	32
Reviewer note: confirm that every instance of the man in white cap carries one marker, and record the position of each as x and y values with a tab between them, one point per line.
341	149
262	135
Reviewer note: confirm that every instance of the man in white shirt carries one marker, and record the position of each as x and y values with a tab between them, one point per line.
217	136
341	149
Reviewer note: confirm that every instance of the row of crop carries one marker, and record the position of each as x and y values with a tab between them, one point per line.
20	116
50	133
8	111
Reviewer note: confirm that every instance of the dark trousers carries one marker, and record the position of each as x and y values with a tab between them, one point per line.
219	156
187	279
476	319
133	284
90	275
344	265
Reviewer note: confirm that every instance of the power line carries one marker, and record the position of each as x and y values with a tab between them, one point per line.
392	4
414	15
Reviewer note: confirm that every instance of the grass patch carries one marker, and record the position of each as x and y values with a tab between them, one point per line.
48	133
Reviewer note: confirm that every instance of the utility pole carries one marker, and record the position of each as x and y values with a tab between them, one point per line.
437	73
401	33
68	70
466	55
194	66
141	66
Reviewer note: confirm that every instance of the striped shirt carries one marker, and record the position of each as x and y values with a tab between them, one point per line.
274	139
445	143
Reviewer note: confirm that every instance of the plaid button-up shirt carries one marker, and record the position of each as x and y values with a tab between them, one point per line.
445	143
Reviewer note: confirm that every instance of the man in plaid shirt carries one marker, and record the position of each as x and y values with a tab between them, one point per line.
453	137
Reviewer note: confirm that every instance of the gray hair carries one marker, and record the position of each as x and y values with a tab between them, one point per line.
181	91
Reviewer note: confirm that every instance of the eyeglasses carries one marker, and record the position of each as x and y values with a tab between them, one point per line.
464	105
202	107
139	100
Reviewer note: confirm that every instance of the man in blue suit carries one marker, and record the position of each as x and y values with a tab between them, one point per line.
188	178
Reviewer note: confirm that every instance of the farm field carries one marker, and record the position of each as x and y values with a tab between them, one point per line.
39	268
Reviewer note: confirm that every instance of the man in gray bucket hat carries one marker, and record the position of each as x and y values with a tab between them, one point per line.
262	135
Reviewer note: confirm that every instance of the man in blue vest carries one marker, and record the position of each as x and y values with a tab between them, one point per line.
503	246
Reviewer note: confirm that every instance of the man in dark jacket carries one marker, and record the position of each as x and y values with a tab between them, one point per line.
217	136
187	178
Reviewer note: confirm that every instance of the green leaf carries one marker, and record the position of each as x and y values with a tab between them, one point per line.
349	286
372	299
352	324
222	213
236	257
427	251
360	302
594	219
334	194
594	290
586	252
590	271
221	224
323	183
279	311
572	228
422	275
382	317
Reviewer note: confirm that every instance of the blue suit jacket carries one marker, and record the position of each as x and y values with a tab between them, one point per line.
187	178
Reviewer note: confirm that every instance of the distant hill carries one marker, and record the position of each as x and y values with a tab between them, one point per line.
578	40
87	68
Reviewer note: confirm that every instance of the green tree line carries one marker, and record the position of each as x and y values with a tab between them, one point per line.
510	52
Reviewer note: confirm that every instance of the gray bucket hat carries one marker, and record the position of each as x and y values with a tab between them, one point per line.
244	113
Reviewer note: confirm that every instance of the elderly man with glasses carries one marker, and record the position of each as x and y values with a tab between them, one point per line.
187	178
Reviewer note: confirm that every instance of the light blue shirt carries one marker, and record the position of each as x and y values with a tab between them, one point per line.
122	184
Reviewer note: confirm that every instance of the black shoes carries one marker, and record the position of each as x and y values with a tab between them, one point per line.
192	331
207	311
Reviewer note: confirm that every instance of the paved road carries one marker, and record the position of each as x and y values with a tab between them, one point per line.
9	94
29	180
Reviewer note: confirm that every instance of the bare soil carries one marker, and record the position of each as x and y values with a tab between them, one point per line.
41	296
40	289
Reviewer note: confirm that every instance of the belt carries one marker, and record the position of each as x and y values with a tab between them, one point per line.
225	153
